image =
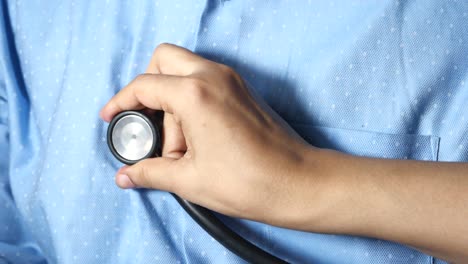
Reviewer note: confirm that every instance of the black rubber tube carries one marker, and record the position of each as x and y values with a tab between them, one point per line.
224	235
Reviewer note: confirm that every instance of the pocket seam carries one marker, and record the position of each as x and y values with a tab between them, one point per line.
332	137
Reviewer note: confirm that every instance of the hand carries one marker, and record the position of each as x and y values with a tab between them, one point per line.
227	151
222	148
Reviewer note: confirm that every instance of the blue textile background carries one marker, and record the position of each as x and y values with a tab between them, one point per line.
373	78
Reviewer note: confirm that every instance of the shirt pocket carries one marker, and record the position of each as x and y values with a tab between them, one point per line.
371	144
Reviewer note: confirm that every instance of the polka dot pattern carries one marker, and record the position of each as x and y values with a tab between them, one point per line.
372	78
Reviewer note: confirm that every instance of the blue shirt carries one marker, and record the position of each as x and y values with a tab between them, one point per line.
373	78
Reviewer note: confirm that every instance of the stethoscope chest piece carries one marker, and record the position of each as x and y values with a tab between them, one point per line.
133	136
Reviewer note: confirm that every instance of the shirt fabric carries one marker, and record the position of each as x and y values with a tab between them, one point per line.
371	78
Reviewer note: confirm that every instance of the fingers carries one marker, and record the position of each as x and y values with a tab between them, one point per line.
174	60
155	91
173	140
160	90
174	145
156	173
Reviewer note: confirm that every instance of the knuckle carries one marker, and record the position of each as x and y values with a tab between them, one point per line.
143	77
227	70
163	45
230	74
140	82
159	52
197	91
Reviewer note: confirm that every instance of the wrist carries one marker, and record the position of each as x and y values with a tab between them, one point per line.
326	193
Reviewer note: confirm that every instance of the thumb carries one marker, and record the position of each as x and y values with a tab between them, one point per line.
155	173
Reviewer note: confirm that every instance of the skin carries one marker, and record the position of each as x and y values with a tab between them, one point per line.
227	150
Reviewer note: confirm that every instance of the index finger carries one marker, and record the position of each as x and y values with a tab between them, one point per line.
147	90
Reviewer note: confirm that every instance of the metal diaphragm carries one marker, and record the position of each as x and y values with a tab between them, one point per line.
133	136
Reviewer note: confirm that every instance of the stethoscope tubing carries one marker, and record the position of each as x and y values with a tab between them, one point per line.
225	236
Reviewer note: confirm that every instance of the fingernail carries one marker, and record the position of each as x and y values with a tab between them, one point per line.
123	181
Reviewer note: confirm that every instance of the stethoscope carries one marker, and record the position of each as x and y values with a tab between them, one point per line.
133	136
